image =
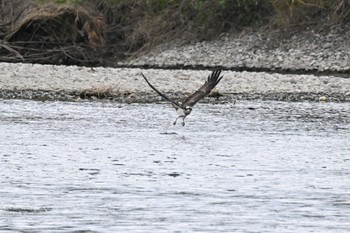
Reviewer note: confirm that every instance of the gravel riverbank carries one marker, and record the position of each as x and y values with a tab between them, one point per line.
305	52
309	51
49	82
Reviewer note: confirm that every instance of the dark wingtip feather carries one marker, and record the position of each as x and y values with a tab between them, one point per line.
143	76
214	77
219	79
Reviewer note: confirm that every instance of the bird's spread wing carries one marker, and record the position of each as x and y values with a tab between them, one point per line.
161	94
204	90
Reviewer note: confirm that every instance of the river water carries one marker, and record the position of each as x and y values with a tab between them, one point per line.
112	167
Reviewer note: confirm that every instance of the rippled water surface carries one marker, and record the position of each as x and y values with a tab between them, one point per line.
111	167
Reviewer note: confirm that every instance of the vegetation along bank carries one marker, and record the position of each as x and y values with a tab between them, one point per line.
108	32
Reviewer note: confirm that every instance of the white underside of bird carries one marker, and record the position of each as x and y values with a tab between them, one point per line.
180	112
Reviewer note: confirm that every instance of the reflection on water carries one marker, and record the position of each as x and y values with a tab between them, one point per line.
110	167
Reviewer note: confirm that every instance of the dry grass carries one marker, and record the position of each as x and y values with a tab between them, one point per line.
215	93
100	92
59	24
51	33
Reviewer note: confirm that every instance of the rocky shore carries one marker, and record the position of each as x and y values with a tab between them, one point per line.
309	66
305	51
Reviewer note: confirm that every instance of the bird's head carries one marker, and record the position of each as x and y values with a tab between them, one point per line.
188	110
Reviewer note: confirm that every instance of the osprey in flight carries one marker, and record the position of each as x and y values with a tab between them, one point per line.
184	109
